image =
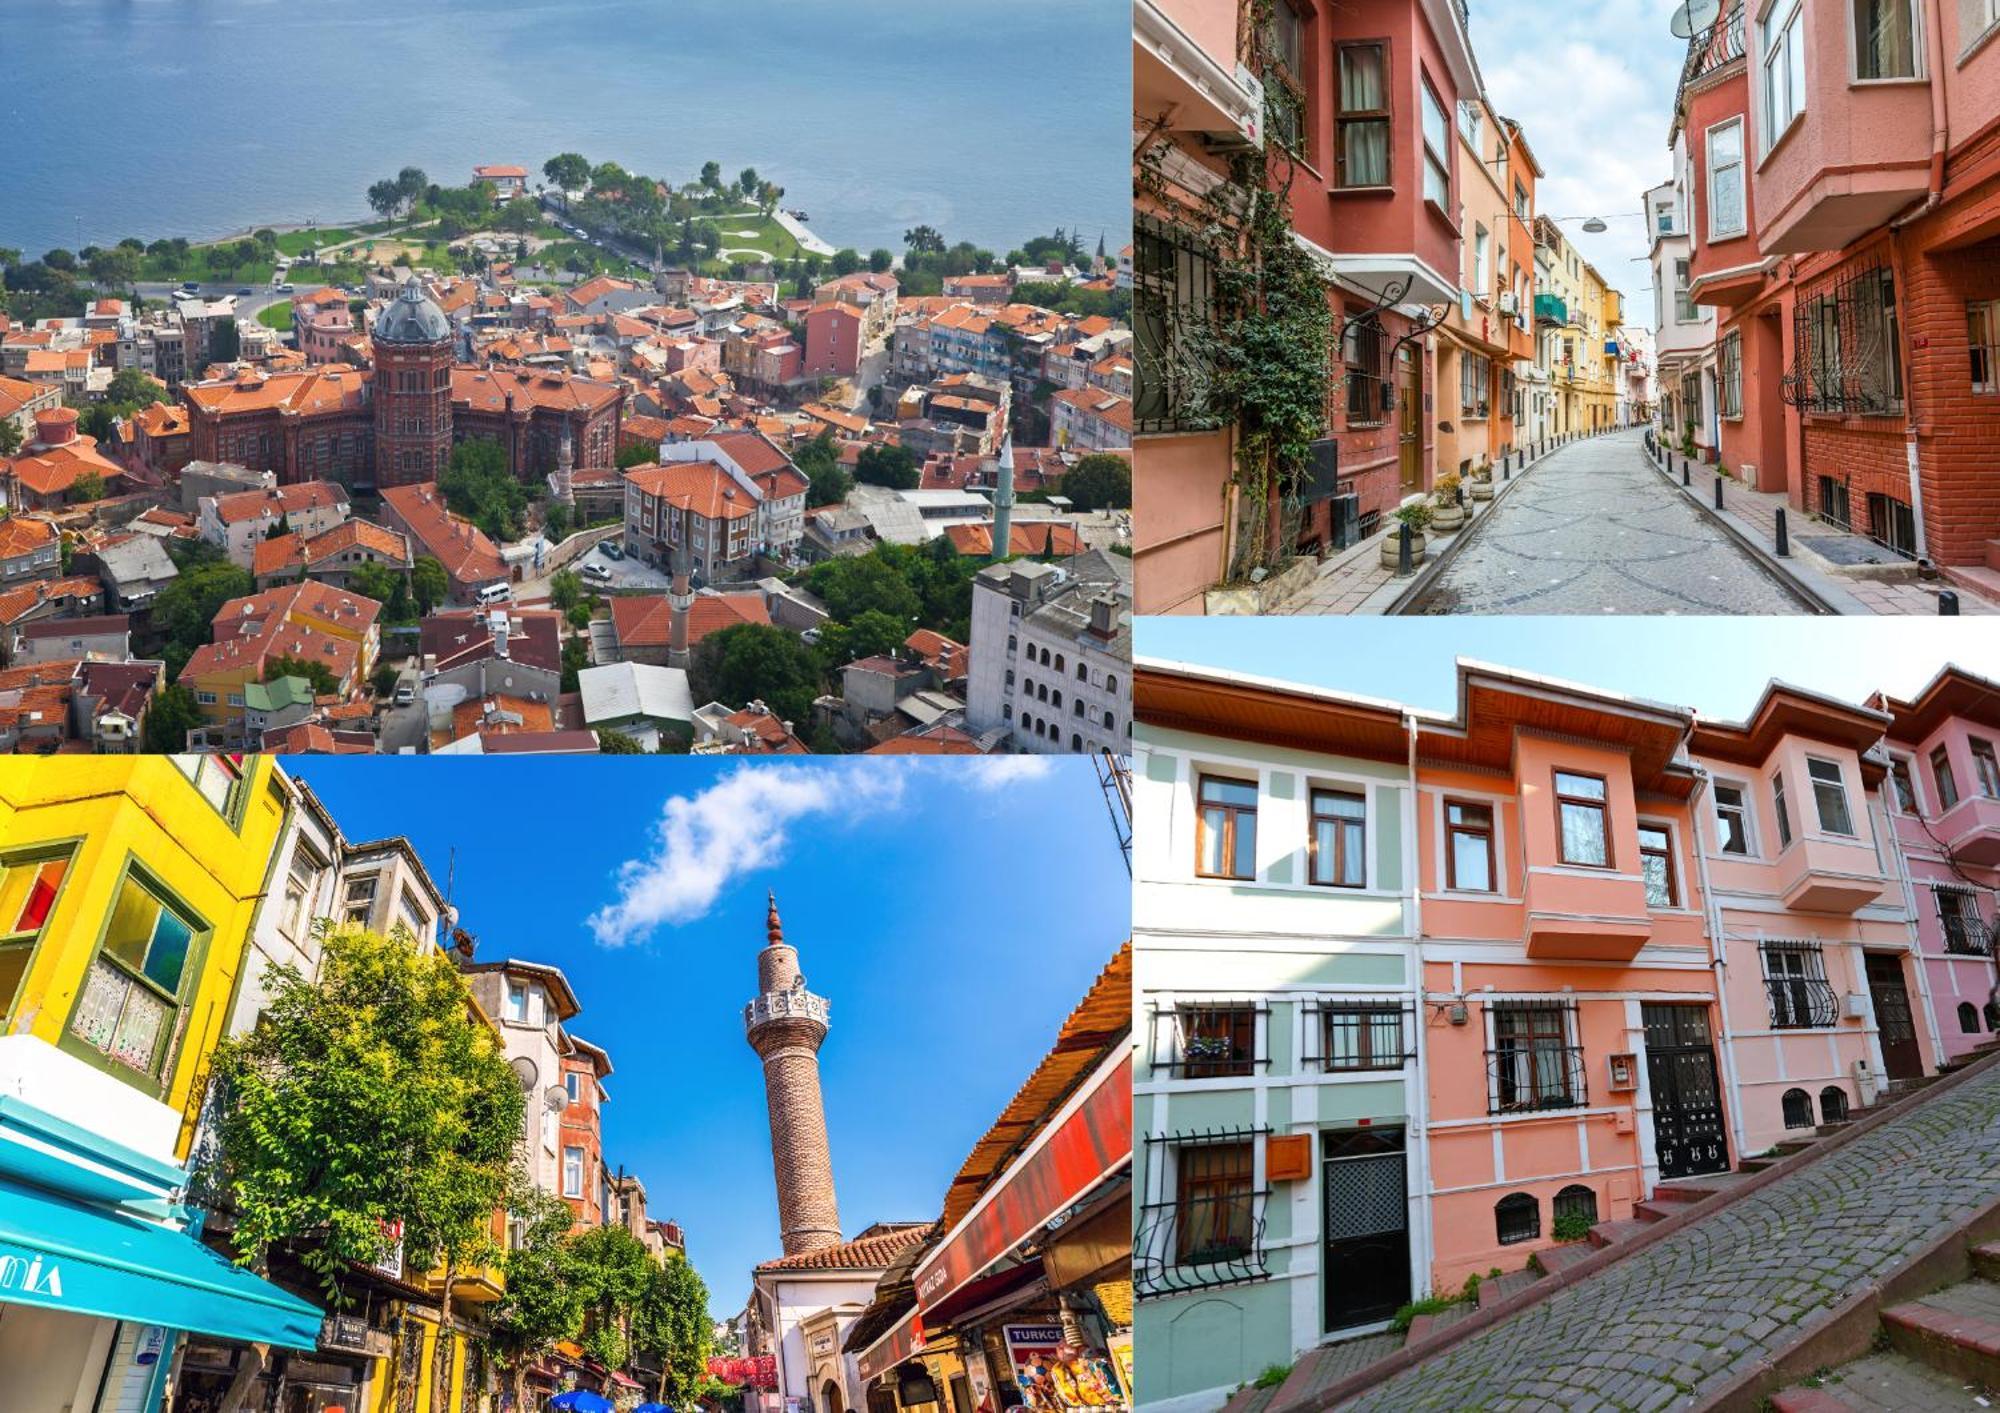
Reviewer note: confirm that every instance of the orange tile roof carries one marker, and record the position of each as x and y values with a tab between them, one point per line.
327	388
473	715
162	419
276	554
462	547
16	393
53	472
238	506
16	603
867	1252
1030	538
22	534
643	622
251	631
698	486
939	651
486	389
359	534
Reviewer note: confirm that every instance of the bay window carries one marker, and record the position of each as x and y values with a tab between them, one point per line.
1582	815
1829	796
1885	44
1781	47
1361	126
1726	211
1437	150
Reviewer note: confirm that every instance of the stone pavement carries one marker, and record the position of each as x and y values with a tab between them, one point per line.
1597	530
1651	1331
1832	560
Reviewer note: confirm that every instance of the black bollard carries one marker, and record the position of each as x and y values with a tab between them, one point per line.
1718	490
1507	468
1948	604
1784	542
1684	472
1404	562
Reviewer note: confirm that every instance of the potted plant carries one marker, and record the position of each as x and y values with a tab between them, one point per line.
1416	515
1447	512
1482	481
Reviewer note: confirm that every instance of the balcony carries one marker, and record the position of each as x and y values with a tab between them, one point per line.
1967	936
1184	65
1972	830
1551	311
1801	1002
1828	876
1586	915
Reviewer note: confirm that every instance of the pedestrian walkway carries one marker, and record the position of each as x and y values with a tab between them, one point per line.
1703	1304
1825	557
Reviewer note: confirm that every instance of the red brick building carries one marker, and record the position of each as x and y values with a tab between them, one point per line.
412	401
584	1070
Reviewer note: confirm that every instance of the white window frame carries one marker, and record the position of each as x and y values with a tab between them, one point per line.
1748	799
1917	72
1430	106
573	1083
1782	21
1481	244
516	990
1740	166
572	1189
1839	782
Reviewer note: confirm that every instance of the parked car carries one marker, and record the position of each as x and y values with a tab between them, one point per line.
285	289
246	290
406	692
611	550
595	574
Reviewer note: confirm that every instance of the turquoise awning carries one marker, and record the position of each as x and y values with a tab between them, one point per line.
91	1260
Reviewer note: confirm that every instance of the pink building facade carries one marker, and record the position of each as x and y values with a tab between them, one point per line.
1944	794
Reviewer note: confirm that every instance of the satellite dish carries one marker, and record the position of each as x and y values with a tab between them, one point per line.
524	1070
1694	16
556	1099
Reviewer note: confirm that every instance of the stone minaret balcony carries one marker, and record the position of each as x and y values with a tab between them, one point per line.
786	1025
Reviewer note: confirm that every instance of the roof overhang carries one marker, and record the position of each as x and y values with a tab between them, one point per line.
1210	702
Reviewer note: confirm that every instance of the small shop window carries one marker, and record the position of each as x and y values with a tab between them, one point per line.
131	995
1517	1217
1226	831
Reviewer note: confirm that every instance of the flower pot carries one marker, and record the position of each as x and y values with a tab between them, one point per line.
1447	517
1389	546
1482	490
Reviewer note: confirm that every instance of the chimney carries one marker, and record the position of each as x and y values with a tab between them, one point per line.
499	625
1104	617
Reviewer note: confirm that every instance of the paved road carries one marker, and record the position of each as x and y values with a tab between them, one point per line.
1649	1331
1595	530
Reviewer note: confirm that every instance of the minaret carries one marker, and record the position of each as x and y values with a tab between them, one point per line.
680	600
1003	501
786	1025
561	481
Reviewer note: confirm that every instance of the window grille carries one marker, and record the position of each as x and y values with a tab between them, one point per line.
1173	294
1729	376
1800	996
1532	1064
1965	931
1833	503
1210	1039
1892	524
1517	1217
1798	1108
1844	339
1343	1036
1209	1230
1365	351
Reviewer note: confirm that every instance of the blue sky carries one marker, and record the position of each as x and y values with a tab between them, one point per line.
1593	86
954	911
1717	665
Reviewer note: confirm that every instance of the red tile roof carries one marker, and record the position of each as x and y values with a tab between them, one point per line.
874	1250
23	534
459	545
642	622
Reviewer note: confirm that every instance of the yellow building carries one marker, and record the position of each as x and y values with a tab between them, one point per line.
127	888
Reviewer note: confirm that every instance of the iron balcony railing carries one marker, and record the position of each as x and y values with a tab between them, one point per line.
1535	1075
1801	1002
1721	43
1967	936
1196	1243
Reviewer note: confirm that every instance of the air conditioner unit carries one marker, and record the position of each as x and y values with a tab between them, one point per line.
1509	305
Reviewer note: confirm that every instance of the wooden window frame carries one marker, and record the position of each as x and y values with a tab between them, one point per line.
1839	783
1340	823
1944	779
1223	1187
1985	767
1603	807
1229	822
1742	812
1342	115
1665	853
1451	833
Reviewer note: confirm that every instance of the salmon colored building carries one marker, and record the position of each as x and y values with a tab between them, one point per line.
1569	994
1944	794
1824	998
1845	183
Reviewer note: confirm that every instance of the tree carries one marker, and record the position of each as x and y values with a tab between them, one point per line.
384	585
565	590
567	172
829	481
478	485
672	1322
746	181
224	342
879	260
369	1097
857	584
544	1300
924	240
757	661
613	1271
891	466
637	454
428	582
324	683
384	680
384	197
575	657
130	389
1099	481
185	610
10	437
846	261
617	743
171	715
411	183
711	175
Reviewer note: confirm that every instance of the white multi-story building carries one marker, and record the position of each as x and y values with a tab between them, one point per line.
727	499
530	1002
1050	656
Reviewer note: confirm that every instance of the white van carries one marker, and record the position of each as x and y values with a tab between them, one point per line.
494	593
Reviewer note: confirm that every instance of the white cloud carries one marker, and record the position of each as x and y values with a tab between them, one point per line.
998	772
736	826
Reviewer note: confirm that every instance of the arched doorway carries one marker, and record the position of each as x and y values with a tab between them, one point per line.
829	1398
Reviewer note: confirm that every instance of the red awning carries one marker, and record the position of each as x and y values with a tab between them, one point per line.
896	1344
983	1291
1088	1141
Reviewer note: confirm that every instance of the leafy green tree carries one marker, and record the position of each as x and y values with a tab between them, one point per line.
565	590
579	616
820	462
429	582
324	683
757	661
858	584
924	240
1098	481
384	585
478	485
879	260
368	1097
10	438
411	183
172	713
711	175
384	680
637	454
611	742
846	260
746	181
614	1273
544	1300
891	466
671	1321
185	610
87	487
567	172
575	657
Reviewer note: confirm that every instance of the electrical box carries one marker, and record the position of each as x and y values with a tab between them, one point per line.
1288	1157
1857	1006
1624	1071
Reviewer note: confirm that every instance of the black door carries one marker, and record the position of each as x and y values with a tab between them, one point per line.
1366	1273
1687	1102
1900	1057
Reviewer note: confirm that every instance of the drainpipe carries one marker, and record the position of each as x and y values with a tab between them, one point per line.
1718	961
1940	141
1423	1104
1916	940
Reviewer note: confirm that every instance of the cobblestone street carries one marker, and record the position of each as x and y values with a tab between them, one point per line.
1650	1331
1596	530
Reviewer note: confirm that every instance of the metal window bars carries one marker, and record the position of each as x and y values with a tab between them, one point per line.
1800	996
1364	352
1344	1035
1208	1039
1173	317
1844	342
1721	43
1966	934
1532	1065
1200	1240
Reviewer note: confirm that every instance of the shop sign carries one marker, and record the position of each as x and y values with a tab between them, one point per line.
1055	1378
152	1342
30	1275
822	1344
351	1333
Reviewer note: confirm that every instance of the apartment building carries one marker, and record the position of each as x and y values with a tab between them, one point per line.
1842	207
